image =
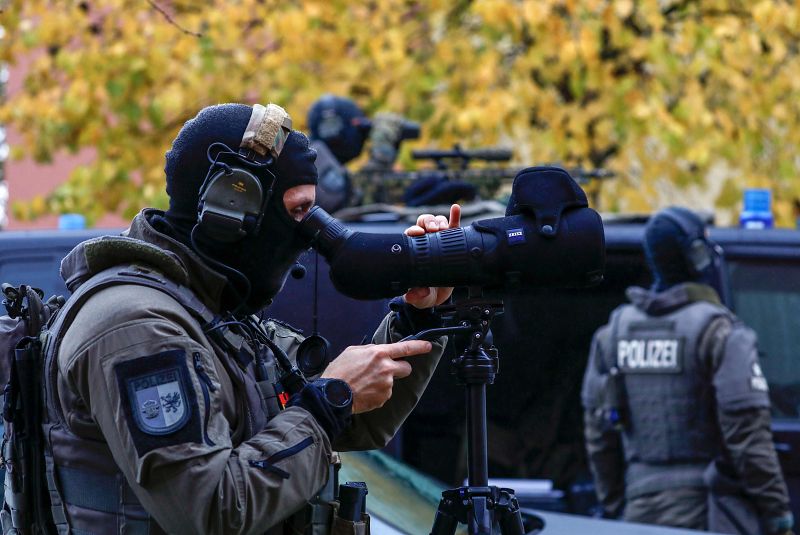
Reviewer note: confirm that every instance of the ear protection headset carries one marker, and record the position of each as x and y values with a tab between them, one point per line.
698	252
232	198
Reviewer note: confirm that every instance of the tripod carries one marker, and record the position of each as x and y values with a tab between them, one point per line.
477	505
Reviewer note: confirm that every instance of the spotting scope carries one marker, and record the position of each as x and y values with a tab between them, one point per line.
548	238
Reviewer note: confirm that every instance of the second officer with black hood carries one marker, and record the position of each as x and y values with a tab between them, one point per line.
677	412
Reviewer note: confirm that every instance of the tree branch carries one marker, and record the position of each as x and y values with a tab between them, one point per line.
171	20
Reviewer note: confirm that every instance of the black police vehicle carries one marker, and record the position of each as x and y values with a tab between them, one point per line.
534	408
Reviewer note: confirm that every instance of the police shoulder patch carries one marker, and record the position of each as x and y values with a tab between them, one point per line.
757	380
158	400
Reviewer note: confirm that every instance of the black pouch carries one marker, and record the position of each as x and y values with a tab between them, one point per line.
614	400
351	517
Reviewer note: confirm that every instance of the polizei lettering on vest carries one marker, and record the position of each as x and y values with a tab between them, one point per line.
649	355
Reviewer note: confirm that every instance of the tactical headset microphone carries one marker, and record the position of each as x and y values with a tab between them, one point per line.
232	198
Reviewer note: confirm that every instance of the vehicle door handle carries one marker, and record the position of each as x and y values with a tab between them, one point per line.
783	447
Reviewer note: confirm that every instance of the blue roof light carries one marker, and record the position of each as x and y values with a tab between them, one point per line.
71	222
757	210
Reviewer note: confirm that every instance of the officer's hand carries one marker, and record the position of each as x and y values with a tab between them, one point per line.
371	370
429	297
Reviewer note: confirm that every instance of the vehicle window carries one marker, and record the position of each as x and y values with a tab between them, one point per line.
767	298
37	270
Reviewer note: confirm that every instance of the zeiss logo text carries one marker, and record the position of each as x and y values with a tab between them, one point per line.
515	236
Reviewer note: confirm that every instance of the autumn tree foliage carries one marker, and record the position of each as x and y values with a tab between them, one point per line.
685	100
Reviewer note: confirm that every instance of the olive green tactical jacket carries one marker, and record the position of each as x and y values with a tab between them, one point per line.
190	486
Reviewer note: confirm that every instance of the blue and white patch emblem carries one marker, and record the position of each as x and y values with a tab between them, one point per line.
159	401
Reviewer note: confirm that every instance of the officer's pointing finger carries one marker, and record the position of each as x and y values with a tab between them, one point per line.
406	349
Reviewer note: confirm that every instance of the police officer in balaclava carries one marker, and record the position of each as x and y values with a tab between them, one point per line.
677	412
257	264
339	130
180	408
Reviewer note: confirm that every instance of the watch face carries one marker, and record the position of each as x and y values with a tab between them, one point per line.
338	393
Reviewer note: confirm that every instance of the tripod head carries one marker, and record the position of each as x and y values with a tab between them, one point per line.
472	315
478	363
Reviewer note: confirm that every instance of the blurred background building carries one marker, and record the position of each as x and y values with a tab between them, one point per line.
24	179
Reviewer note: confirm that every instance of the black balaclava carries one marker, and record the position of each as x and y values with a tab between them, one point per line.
266	257
666	247
340	124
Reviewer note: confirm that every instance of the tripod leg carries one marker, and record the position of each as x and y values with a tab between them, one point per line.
480	517
508	513
512	524
445	522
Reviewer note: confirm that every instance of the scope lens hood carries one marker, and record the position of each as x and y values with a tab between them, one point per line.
544	193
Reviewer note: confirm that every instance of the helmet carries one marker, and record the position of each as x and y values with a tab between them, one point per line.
677	248
340	124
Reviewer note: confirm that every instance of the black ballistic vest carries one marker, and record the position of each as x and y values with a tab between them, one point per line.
88	492
670	398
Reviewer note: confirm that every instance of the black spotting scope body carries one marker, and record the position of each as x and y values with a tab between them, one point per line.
550	238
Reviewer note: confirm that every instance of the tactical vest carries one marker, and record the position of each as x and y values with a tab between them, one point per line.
670	409
88	492
333	184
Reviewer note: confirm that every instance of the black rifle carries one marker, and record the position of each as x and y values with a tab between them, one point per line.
382	186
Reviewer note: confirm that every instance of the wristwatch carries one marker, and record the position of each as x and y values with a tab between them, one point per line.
336	393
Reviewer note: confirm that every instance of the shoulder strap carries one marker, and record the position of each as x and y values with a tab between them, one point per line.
125	274
707	350
122	274
130	274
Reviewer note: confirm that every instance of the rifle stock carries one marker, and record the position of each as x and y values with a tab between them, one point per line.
380	186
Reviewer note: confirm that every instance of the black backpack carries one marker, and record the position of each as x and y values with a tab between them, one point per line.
22	336
29	503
